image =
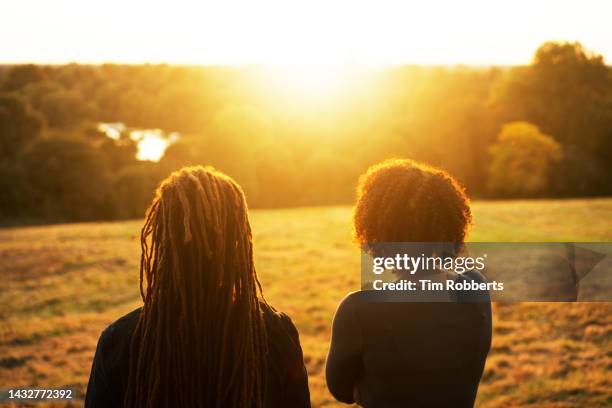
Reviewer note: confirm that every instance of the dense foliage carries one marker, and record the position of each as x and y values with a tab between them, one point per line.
296	149
522	159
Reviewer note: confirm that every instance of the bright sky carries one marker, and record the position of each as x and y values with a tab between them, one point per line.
290	32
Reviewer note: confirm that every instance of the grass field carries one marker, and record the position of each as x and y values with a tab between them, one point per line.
61	285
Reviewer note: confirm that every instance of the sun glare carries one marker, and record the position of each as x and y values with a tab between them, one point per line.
318	82
313	86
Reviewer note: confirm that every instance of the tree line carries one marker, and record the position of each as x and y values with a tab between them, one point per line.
540	130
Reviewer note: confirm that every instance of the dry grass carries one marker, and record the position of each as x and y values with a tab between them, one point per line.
61	285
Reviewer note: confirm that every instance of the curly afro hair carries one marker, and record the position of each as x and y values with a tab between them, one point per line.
401	200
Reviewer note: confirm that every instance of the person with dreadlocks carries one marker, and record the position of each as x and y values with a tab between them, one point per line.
205	336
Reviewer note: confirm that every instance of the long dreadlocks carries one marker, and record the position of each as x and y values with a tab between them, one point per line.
200	338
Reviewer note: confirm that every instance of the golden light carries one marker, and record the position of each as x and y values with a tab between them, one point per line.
315	91
305	83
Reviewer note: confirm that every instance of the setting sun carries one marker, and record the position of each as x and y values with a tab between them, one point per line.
306	83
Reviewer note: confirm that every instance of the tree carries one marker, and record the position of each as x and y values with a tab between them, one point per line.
567	92
522	160
134	188
185	152
22	75
15	203
64	108
119	152
19	125
69	179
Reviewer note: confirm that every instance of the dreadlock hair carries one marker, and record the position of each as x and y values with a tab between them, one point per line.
200	339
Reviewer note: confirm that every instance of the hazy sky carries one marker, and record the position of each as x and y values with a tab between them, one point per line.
285	31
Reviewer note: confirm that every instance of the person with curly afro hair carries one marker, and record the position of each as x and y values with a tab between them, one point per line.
402	200
399	354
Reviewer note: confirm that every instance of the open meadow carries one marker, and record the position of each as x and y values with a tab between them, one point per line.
60	285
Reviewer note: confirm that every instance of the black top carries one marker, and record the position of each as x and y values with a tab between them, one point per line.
403	354
287	379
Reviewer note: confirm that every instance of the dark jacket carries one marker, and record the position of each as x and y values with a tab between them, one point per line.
287	379
406	354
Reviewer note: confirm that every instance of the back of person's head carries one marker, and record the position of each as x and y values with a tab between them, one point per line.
200	337
401	200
